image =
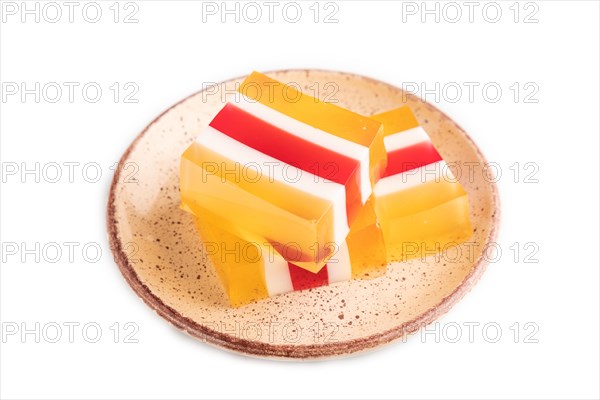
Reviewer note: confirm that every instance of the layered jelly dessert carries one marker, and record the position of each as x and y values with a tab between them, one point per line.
292	193
249	271
293	175
421	207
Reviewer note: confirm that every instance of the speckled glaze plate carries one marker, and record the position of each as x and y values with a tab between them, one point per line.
158	250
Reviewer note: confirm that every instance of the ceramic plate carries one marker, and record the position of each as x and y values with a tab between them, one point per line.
159	253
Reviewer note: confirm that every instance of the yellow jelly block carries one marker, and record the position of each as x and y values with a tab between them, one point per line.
366	245
238	263
249	271
259	207
397	120
421	207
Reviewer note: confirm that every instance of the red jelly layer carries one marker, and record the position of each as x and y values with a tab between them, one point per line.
415	156
302	154
303	279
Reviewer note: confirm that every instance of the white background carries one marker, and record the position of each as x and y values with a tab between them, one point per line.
168	54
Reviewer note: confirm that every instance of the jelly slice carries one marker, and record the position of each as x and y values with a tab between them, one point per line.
294	177
249	271
325	124
421	207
